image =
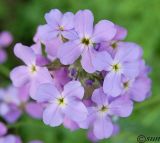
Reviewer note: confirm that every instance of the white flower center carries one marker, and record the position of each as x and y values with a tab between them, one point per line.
33	69
86	41
116	67
62	102
102	110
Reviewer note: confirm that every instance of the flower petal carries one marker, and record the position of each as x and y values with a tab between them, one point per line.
35	110
131	69
3	56
102	128
76	110
19	76
84	23
26	54
13	114
42	76
140	89
68	21
53	116
74	88
102	61
121	106
121	33
70	34
46	33
46	92
85	124
87	59
128	52
104	31
99	97
53	18
52	47
5	39
3	129
112	84
69	52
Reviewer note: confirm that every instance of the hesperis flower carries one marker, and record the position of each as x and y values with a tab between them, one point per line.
82	75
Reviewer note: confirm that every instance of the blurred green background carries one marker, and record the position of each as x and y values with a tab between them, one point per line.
140	17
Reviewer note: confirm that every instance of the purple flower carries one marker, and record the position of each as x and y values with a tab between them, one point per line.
70	124
40	59
5	40
125	63
3	129
51	46
10	139
34	109
99	115
61	77
58	28
86	38
138	89
120	34
3	56
30	73
58	24
62	104
9	104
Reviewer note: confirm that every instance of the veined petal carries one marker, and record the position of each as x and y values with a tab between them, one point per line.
104	31
69	52
34	109
42	76
52	47
131	69
102	128
53	115
99	97
70	34
121	33
53	18
68	21
140	89
84	23
87	60
85	124
74	88
102	61
121	106
128	52
46	92
75	110
20	76
46	33
26	54
112	84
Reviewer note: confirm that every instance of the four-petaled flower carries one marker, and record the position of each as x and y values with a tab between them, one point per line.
125	63
85	40
31	73
99	114
61	104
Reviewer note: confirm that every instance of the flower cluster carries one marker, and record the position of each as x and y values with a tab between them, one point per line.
13	102
5	40
85	75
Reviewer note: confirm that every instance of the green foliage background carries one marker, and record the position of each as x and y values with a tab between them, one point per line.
140	17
